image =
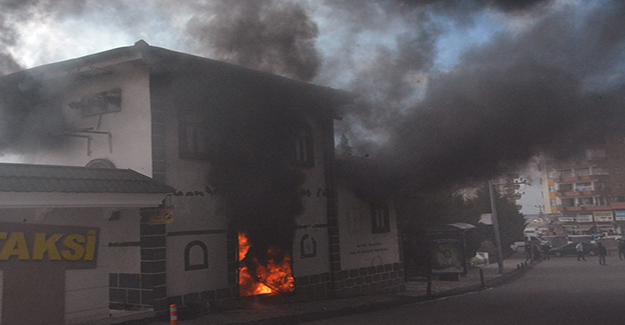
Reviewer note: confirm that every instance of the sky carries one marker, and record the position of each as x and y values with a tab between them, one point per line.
450	91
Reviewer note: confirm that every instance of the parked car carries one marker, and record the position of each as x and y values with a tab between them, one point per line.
536	240
518	246
569	250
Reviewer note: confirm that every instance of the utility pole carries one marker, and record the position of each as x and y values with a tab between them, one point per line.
493	208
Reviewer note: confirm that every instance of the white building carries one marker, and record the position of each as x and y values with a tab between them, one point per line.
200	126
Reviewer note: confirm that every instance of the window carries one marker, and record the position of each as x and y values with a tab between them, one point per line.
568	202
304	152
195	140
586	201
582	171
380	222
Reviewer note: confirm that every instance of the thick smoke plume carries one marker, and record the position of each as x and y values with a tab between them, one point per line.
255	173
552	86
549	76
275	36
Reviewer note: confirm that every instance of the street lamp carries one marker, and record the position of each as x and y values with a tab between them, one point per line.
493	208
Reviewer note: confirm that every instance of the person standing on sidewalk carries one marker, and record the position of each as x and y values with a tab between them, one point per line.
580	251
546	248
621	249
602	253
536	251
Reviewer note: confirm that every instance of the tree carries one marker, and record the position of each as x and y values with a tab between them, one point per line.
343	148
422	211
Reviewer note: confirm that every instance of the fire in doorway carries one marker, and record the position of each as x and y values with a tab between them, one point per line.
273	277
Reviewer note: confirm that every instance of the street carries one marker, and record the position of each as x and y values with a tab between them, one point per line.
557	291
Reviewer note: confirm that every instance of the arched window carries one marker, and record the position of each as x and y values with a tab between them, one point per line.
195	252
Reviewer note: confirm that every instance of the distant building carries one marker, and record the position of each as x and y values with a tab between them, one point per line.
588	190
510	186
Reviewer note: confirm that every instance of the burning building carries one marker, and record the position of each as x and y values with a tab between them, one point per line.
255	204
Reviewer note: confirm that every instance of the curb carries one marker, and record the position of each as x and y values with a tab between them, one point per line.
397	301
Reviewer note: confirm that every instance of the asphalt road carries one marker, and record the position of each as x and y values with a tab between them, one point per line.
558	291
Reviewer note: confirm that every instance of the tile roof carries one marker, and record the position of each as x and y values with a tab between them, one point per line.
70	179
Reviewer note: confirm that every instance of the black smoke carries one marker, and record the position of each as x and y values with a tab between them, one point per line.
268	35
257	177
551	80
552	85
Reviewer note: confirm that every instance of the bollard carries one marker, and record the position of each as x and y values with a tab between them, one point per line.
173	314
482	278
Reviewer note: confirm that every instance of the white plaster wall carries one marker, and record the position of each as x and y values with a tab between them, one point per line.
127	259
181	282
311	265
315	213
315	205
86	290
193	213
197	213
130	127
359	246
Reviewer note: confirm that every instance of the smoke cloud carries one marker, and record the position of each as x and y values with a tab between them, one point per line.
545	75
551	86
275	36
255	173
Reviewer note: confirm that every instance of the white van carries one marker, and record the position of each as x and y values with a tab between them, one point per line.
534	239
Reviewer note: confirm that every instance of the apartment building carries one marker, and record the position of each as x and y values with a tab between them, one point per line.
588	189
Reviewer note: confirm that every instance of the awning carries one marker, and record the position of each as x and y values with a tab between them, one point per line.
44	186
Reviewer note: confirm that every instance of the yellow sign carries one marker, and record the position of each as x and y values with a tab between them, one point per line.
603	216
21	243
162	216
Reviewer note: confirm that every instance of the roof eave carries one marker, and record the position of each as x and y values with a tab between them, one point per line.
10	200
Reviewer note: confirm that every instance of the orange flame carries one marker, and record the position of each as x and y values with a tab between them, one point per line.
273	278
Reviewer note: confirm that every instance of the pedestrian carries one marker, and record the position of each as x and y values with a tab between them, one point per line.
536	252
546	248
602	253
621	249
580	251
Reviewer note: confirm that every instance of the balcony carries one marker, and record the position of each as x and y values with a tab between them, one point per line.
617	205
585	191
576	208
570	176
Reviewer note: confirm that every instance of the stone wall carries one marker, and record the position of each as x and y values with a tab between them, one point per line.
367	280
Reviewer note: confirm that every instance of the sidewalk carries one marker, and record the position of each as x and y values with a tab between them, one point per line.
416	291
